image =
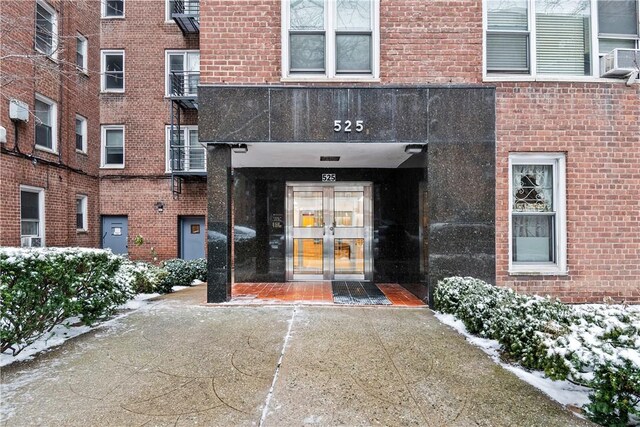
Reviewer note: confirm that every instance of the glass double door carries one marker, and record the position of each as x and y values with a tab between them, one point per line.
329	231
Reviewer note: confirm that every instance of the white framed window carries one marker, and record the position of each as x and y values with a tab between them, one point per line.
330	39
81	134
46	112
537	213
46	40
31	216
112	70
182	72
112	8
81	212
555	39
184	152
112	147
81	53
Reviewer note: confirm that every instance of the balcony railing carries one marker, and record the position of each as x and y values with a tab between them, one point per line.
183	88
188	159
186	13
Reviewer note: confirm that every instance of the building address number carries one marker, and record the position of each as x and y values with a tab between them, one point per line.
348	125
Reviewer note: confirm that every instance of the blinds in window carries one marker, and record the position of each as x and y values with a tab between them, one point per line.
507	36
562	44
507	52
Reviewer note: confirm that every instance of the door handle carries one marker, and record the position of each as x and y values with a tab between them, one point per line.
332	229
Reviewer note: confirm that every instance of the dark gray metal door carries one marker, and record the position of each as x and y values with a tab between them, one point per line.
115	234
192	237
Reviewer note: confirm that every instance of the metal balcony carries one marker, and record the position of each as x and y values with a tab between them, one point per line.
183	88
188	160
186	13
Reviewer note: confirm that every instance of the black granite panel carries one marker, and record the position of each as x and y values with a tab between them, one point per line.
478	238
462	182
389	115
464	114
218	225
307	115
233	114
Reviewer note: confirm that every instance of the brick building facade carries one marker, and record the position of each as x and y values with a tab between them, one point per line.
462	104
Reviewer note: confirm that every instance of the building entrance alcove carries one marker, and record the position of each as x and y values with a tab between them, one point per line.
372	184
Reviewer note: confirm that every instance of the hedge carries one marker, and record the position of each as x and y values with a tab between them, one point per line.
40	288
597	347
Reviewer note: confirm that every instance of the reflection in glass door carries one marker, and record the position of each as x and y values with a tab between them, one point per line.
329	231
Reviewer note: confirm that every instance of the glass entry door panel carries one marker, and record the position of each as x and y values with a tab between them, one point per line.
329	231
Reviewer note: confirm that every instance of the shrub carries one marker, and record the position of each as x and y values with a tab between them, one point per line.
598	347
40	288
182	273
143	277
200	269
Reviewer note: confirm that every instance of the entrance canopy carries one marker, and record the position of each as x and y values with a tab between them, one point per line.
324	155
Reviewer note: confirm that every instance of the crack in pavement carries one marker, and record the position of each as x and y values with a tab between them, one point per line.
265	410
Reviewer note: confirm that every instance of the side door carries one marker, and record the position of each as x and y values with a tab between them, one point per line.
115	234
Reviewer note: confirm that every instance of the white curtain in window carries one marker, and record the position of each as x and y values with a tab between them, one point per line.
532	188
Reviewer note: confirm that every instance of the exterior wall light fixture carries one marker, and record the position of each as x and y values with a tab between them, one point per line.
240	148
414	148
159	207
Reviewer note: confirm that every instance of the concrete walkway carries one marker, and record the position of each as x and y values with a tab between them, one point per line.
179	362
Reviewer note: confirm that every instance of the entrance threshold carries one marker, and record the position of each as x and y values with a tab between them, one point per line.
324	292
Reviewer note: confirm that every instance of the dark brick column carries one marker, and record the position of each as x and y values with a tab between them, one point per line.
219	207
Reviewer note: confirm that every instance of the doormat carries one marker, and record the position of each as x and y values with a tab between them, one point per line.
358	293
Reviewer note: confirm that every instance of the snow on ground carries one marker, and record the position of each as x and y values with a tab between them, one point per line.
69	329
564	392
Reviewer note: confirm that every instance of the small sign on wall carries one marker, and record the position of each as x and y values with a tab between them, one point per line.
328	177
277	222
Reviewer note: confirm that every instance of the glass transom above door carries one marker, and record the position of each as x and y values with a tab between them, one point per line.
329	231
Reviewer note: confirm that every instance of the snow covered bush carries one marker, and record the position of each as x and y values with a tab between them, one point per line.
40	288
181	272
595	346
518	322
602	350
142	277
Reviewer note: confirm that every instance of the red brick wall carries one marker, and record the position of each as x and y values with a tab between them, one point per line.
136	198
67	173
598	128
143	110
421	41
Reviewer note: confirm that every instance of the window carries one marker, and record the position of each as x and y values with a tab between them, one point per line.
81	53
31	216
113	146
81	134
617	26
46	118
184	152
81	213
330	39
46	29
556	38
113	71
113	8
183	73
537	213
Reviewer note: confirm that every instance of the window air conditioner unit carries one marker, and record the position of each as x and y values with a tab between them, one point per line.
31	242
619	63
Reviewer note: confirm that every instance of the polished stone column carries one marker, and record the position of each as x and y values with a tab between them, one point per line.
219	236
461	184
